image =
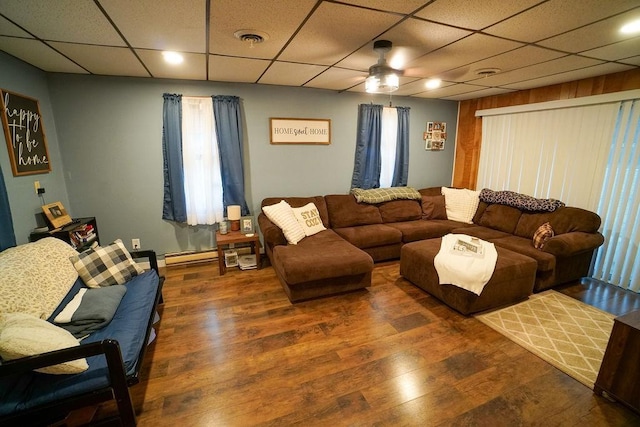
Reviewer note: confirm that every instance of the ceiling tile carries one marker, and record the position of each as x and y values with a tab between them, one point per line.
473	14
555	66
7	28
514	59
337	79
597	70
330	34
634	60
455	89
478	94
228	69
160	24
411	39
69	21
557	16
594	35
404	6
615	51
460	53
287	73
193	67
104	60
277	18
39	55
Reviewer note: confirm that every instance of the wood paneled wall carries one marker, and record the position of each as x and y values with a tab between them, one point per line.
469	139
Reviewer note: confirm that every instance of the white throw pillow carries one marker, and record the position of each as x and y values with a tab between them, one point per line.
281	214
24	335
461	204
309	219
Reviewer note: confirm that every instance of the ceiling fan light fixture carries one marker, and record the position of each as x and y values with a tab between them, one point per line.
382	78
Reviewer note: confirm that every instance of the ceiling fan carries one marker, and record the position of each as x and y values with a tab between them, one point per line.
382	78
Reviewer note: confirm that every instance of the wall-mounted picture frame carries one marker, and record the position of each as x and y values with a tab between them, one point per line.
435	136
247	225
300	131
56	214
24	133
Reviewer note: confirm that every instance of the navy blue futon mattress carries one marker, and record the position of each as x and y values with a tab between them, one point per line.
128	327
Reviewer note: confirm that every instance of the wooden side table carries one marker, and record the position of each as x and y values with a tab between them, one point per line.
619	374
232	237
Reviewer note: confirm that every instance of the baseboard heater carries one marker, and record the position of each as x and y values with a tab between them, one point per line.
191	257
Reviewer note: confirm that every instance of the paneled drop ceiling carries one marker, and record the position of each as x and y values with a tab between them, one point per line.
329	44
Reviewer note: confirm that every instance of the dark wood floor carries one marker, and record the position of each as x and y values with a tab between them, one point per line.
233	351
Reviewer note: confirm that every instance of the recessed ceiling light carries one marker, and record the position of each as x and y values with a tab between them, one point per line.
172	57
433	83
631	27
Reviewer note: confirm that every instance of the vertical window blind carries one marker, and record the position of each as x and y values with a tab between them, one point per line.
585	155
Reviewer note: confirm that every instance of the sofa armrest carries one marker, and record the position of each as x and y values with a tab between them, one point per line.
572	243
272	234
153	263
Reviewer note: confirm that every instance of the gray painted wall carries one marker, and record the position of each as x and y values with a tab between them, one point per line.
16	76
109	132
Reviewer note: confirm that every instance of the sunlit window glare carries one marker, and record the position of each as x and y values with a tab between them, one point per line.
631	27
172	57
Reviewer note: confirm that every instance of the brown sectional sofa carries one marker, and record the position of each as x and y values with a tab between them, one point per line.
358	234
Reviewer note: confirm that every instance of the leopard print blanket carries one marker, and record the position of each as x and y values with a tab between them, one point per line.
520	201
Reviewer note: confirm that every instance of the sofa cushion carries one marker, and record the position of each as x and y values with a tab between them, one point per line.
484	233
344	211
322	256
563	220
281	214
368	236
461	203
24	335
422	230
34	277
433	207
500	217
309	219
400	210
106	266
521	245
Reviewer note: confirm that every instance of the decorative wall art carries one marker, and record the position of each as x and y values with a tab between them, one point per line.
435	136
300	131
24	132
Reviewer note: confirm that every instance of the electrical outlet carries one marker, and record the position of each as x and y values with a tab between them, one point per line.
135	243
36	184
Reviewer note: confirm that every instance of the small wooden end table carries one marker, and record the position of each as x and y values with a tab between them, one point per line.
232	237
619	374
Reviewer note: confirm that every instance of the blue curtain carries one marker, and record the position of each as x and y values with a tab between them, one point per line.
367	163
228	118
7	236
174	207
401	169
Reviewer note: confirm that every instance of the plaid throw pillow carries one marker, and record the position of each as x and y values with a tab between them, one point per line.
106	266
542	234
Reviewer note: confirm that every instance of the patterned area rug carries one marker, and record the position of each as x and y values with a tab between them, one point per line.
567	333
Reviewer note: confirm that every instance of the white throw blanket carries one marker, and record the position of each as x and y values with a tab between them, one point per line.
466	271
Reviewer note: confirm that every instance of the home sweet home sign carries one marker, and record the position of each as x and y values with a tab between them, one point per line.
24	132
